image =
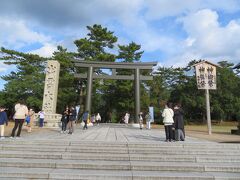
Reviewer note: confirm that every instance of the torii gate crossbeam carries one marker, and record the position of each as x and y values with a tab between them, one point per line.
114	65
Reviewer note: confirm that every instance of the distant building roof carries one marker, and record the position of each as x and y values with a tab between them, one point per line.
204	61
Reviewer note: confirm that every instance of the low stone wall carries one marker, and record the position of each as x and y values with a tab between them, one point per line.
50	120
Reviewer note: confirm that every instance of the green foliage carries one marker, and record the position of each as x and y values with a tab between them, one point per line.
26	82
129	53
99	46
68	88
227	95
96	45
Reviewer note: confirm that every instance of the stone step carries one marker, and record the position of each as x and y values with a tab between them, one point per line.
151	158
58	142
61	143
48	173
30	154
119	150
118	157
178	145
122	146
184	151
120	165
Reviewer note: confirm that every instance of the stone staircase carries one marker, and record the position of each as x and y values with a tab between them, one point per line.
72	159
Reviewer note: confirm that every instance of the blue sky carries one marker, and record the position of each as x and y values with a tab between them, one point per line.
172	32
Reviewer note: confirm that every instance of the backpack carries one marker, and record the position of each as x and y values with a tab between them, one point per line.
27	119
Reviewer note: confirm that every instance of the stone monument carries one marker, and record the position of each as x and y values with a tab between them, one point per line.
50	94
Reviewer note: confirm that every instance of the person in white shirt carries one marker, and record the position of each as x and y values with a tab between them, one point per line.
140	118
126	117
21	111
98	118
168	121
41	118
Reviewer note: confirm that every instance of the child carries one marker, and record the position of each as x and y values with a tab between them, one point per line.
30	120
3	119
41	118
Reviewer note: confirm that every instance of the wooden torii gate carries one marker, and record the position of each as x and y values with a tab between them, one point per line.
137	77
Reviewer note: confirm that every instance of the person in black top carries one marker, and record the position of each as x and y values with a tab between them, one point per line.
178	123
72	119
65	119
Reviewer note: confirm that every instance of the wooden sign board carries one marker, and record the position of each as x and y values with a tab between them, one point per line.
206	75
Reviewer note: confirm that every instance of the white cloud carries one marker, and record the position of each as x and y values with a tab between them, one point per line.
208	38
165	8
3	68
15	34
132	20
46	50
71	13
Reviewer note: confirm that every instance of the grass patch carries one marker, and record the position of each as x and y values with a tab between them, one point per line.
224	127
215	128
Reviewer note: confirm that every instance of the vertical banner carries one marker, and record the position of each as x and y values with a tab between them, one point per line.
151	113
77	111
206	76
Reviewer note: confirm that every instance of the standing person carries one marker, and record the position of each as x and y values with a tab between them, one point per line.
21	111
27	119
85	118
148	120
178	123
67	112
3	120
41	118
72	118
140	120
98	118
109	117
168	121
126	118
64	120
31	115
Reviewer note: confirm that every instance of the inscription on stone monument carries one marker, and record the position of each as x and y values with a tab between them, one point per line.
51	87
50	94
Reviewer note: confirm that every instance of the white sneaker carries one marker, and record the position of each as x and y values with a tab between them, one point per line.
11	137
2	138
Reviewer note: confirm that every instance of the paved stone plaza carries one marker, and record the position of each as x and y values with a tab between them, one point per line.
115	151
104	132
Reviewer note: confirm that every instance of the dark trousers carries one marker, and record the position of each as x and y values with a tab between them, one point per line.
85	124
179	135
169	132
41	120
64	125
18	124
